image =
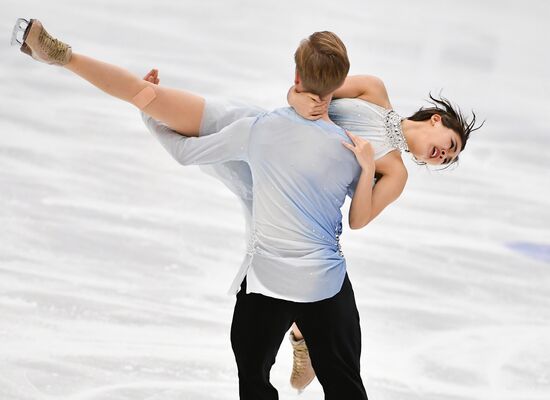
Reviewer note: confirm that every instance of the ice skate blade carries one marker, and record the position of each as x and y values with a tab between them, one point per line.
20	27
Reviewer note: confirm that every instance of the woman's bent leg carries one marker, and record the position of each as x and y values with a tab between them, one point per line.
302	370
182	111
296	332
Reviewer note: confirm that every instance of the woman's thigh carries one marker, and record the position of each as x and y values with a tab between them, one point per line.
182	111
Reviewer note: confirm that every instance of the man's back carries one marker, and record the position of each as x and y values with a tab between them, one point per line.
301	174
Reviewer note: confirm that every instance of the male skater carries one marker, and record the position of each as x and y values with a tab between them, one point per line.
294	270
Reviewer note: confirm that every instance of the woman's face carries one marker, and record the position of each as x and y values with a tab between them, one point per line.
438	145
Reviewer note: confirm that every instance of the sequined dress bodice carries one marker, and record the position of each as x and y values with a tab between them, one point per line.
380	126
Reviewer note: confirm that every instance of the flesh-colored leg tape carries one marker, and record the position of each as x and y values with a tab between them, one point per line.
143	98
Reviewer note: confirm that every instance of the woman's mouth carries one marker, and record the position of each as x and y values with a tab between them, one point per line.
435	152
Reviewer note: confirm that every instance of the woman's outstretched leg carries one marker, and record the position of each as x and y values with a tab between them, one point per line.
180	110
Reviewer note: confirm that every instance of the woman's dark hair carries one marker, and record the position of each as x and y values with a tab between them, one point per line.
451	117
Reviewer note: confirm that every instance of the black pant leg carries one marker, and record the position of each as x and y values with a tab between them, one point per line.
258	328
333	335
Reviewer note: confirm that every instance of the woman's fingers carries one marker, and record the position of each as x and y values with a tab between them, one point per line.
349	146
314	97
352	137
317	111
323	104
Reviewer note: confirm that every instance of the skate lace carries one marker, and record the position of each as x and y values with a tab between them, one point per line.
55	48
301	356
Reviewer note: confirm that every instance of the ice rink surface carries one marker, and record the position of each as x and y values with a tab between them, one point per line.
115	260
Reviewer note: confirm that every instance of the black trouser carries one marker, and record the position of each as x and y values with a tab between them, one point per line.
331	330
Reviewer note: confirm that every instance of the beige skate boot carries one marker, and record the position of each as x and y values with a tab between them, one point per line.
39	44
302	371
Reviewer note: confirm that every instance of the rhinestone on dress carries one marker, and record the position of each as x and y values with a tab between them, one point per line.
394	133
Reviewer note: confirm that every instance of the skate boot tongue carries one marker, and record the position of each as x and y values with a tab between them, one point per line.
40	45
56	50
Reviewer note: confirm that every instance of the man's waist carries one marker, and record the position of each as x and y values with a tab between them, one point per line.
303	280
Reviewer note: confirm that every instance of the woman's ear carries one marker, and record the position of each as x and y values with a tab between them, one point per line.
435	118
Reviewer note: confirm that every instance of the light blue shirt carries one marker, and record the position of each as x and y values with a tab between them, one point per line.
301	174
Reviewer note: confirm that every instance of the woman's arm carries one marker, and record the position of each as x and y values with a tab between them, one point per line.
361	204
387	189
368	201
365	87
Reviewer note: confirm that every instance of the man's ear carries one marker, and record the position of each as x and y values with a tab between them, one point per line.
297	79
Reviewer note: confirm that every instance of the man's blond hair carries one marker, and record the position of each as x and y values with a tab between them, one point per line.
322	63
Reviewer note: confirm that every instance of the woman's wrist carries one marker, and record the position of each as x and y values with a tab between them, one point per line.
368	169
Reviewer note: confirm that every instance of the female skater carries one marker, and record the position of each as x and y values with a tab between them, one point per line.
434	136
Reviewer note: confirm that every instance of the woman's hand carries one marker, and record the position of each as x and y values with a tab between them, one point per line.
308	105
152	76
363	151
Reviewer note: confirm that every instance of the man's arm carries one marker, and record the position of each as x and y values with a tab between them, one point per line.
231	143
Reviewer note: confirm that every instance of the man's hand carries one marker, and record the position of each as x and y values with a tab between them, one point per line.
363	151
308	105
152	76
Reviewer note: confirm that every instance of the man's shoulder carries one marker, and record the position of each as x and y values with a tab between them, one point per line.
279	116
281	112
289	117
